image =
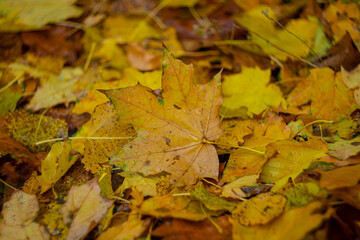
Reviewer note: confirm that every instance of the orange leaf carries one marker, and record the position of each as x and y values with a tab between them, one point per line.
173	130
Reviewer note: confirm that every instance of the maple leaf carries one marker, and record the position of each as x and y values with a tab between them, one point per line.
174	131
330	98
250	89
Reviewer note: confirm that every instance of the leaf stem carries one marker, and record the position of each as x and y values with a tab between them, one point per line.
8	184
180	194
74	138
11	82
121	199
239	147
311	123
218	228
211	183
89	57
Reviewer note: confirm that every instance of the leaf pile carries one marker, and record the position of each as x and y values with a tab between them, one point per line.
174	119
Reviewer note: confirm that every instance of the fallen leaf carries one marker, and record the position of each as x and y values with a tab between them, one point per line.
291	43
54	222
343	149
243	162
9	98
84	208
178	229
330	98
287	159
111	54
28	15
351	80
260	209
56	89
292	224
174	131
131	229
343	54
234	190
94	97
177	207
132	29
302	194
57	162
58	41
16	149
30	128
350	195
147	79
105	182
250	89
212	201
339	18
234	133
142	59
100	138
344	128
341	177
182	3
18	222
146	185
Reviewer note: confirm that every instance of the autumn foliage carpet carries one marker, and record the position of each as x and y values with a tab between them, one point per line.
179	119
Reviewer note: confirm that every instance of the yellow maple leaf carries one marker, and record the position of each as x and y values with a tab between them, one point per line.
250	89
